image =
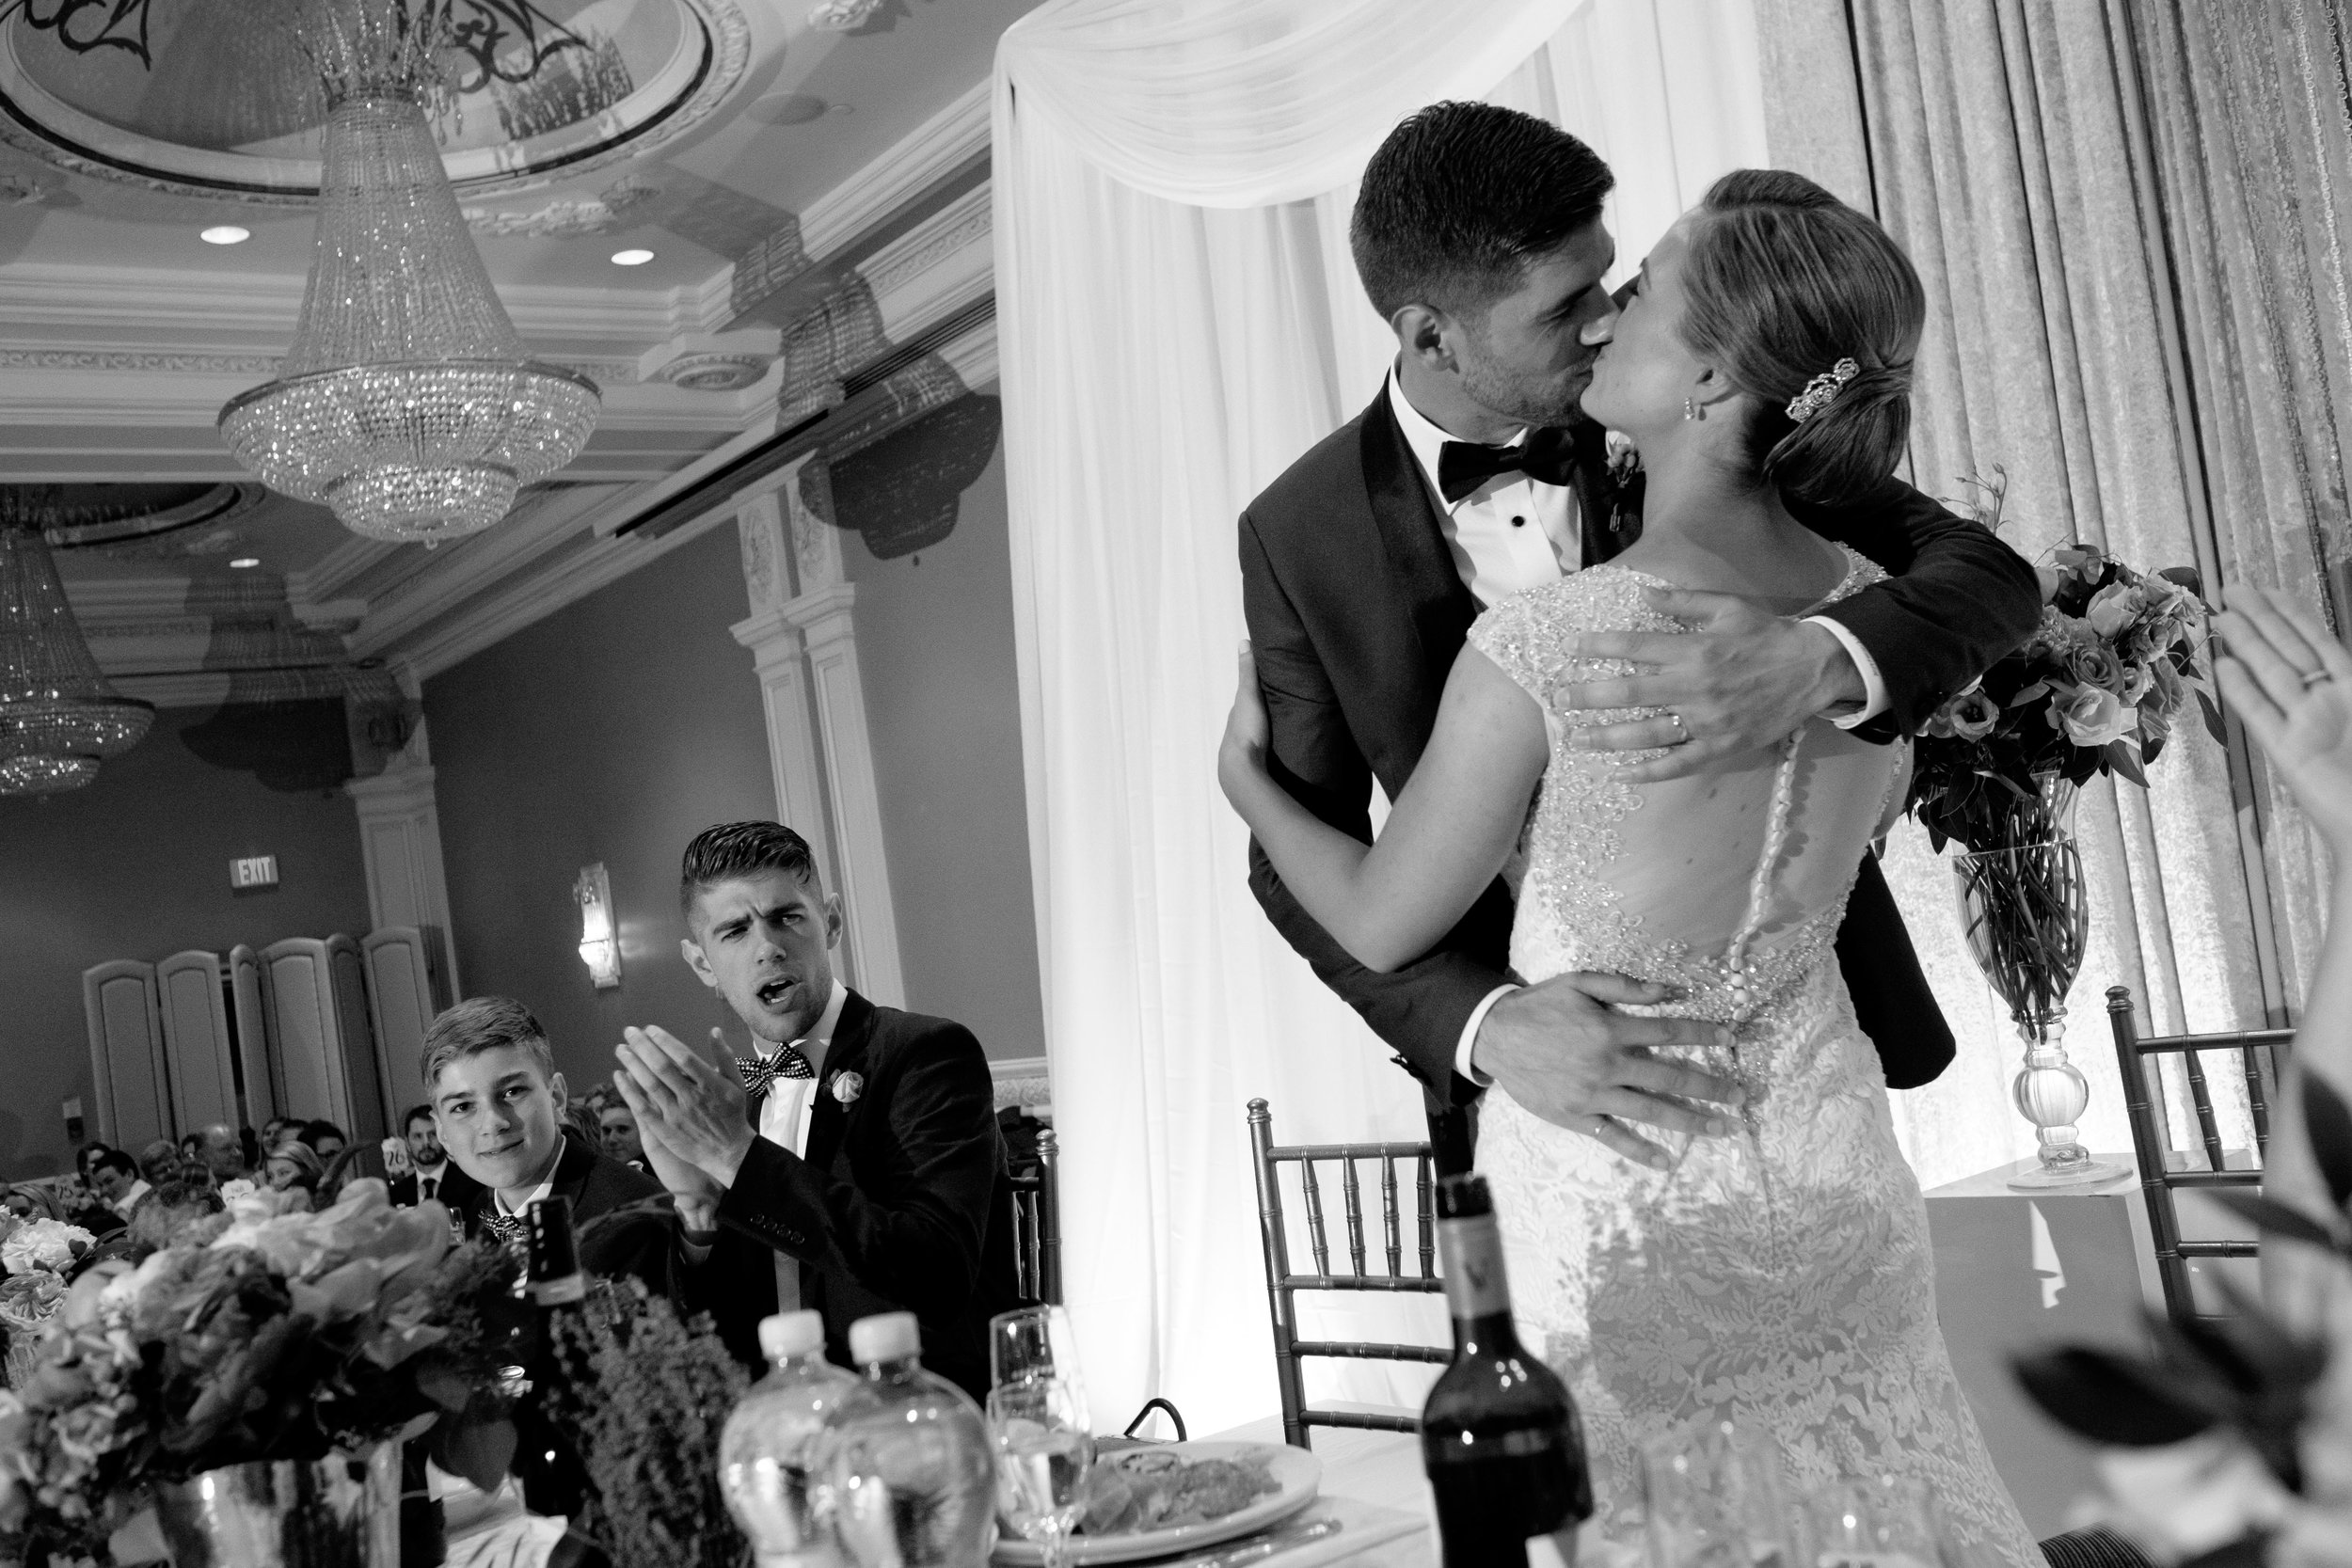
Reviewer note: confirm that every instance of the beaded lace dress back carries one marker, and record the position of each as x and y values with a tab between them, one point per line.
1779	1275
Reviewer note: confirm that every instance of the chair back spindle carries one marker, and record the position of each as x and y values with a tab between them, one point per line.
2136	1058
1283	1285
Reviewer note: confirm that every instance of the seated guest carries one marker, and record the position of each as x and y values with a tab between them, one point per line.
192	1151
249	1143
115	1178
617	1129
277	1130
291	1166
876	1178
86	1160
325	1139
164	1217
430	1176
497	1103
159	1162
221	1152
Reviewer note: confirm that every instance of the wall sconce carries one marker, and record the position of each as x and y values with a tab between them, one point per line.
600	936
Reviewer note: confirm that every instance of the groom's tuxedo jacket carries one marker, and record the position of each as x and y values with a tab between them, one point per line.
903	1202
1356	611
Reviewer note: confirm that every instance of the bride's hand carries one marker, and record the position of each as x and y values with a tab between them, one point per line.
2291	684
1247	729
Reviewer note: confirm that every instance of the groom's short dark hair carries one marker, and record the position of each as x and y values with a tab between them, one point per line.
1460	197
736	850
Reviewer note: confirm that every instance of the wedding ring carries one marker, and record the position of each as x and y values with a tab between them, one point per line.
2316	676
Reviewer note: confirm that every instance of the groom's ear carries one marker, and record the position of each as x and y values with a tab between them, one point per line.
1420	333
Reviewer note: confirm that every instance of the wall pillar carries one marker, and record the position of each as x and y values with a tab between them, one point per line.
400	839
803	638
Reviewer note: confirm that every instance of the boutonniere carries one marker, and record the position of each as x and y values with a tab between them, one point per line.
1623	465
847	1086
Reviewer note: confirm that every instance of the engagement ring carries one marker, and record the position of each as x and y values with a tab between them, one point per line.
2315	676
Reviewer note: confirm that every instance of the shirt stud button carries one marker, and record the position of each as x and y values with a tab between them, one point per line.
1519	522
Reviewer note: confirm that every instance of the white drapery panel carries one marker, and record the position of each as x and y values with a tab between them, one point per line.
1179	320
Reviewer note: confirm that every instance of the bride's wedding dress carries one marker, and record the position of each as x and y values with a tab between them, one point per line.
1779	1275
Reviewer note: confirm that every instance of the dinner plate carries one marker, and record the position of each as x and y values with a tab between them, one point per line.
1295	1472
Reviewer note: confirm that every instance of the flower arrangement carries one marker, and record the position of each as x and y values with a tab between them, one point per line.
2231	1445
267	1332
2096	690
644	1395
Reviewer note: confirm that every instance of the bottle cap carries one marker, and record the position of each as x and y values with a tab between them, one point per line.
1463	1198
801	1333
552	1254
884	1337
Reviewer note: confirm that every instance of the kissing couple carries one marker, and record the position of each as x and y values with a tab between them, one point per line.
1639	752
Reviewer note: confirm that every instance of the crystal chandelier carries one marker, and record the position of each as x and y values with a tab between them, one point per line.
58	716
408	404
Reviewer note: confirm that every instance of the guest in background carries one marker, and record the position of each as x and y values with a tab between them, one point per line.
430	1176
867	1174
498	1105
115	1178
159	1162
250	1142
2290	683
580	1126
221	1152
617	1126
277	1130
192	1151
291	1166
85	1160
326	1140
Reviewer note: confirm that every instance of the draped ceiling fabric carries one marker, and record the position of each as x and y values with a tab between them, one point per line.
2131	309
1179	320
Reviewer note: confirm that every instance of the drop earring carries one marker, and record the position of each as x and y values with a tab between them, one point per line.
1691	409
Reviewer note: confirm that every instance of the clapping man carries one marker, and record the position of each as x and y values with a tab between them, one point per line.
863	1171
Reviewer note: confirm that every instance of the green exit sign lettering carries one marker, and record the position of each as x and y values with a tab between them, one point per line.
253	871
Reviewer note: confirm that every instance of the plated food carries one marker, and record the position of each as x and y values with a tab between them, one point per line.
1163	1488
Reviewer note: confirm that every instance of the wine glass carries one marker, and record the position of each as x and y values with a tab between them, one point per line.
1714	1499
1035	1341
1044	1447
1888	1522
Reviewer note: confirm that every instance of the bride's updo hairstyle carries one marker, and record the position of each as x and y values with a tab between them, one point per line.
1782	281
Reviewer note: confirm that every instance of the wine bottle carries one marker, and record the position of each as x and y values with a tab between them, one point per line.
554	1479
1499	1436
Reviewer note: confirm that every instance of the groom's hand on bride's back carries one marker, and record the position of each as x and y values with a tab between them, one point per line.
1741	679
1562	1051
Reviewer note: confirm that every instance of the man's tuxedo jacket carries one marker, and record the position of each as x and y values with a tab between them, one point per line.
645	1249
1356	611
903	1202
455	1184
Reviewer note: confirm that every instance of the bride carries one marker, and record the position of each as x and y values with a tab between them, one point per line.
1779	1276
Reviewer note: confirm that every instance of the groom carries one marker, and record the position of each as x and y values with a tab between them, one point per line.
1473	476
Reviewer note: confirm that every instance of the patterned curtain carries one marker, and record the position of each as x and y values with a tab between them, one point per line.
2126	215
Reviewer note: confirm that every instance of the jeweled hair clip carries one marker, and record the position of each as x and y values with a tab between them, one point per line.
1823	387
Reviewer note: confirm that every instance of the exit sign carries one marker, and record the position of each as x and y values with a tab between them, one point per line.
254	871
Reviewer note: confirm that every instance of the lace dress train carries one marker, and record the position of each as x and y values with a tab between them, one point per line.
1780	1274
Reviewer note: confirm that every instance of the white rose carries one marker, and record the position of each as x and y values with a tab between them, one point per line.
2092	715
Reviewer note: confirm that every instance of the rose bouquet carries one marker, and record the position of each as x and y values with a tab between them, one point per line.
2097	688
264	1334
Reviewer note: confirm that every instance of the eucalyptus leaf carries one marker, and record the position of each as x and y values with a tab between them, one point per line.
2274	1218
2215	726
2110	1398
2329	1123
2125	760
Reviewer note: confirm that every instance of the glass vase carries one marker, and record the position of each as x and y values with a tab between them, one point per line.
341	1511
2025	913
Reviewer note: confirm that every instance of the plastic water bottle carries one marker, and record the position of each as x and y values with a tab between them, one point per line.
770	1455
913	1472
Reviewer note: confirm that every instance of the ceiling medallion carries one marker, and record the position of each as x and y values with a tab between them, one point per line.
60	718
406	404
209	98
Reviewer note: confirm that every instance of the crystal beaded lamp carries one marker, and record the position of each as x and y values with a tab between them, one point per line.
408	404
58	716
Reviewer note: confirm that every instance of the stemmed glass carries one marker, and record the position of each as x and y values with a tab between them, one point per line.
1887	1523
1037	1413
1714	1499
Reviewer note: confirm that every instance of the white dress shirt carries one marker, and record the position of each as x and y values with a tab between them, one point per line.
522	1210
785	1113
1514	533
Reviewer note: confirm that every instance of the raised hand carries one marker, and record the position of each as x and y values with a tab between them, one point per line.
1744	679
688	1104
2291	684
1565	1054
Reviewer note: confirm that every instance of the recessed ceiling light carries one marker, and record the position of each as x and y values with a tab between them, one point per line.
243	561
631	258
227	234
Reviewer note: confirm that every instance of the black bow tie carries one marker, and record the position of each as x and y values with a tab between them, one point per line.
508	1231
1544	456
760	1071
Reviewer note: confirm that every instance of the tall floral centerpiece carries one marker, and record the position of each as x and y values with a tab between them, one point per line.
2096	690
35	1255
239	1396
